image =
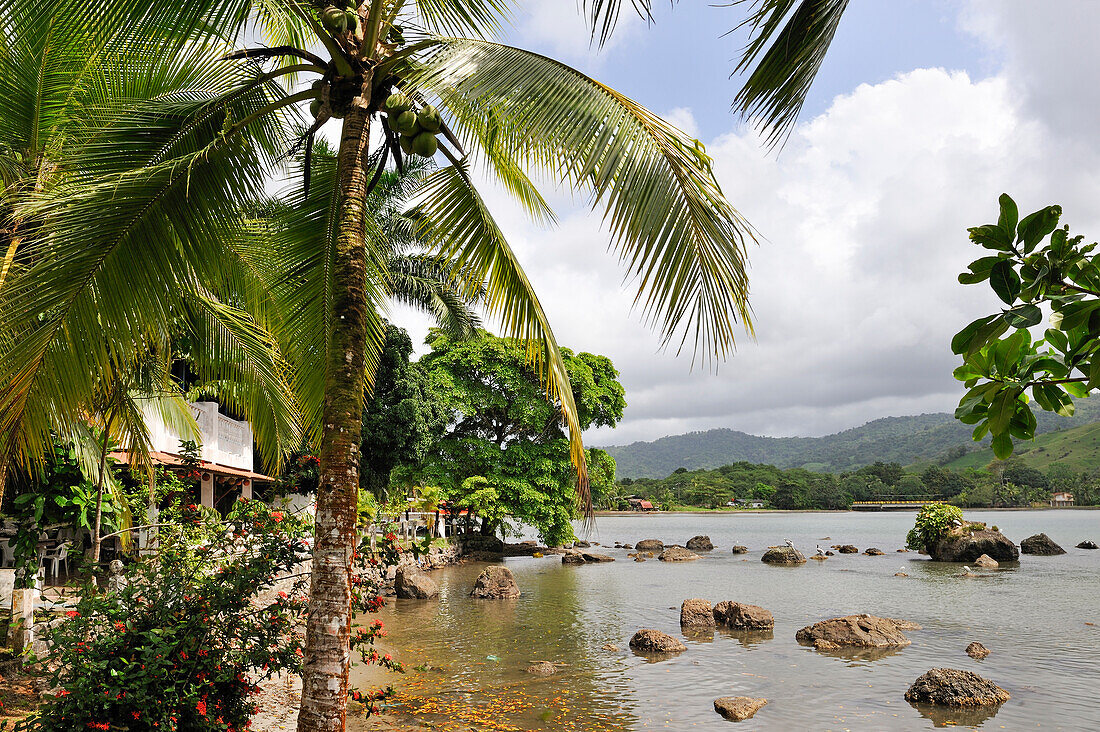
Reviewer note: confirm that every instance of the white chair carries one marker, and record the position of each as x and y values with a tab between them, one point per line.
7	554
57	556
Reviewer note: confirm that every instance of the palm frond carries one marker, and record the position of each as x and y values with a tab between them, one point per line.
477	18
668	219
603	15
788	43
428	283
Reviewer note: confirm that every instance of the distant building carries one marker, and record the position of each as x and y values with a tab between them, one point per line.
748	503
640	504
1061	499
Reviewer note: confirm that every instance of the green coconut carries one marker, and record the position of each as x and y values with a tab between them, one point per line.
334	20
429	119
405	123
395	104
315	107
425	144
406	143
353	20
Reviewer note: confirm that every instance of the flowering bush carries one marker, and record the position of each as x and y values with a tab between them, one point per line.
183	640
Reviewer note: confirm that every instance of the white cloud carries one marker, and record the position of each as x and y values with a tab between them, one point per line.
864	218
560	27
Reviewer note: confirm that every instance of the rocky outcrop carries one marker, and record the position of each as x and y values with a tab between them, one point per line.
977	650
1086	544
411	584
740	616
986	562
1040	545
572	557
738	549
738	708
874	552
648	640
649	545
495	583
581	544
542	668
846	548
783	555
823	645
859	631
524	549
677	554
699	544
476	544
594	558
954	688
696	613
966	544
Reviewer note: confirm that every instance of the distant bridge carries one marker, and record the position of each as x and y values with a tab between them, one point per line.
896	503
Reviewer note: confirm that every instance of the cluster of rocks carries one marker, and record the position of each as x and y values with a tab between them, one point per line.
573	556
697	613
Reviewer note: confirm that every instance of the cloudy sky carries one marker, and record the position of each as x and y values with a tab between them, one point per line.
923	113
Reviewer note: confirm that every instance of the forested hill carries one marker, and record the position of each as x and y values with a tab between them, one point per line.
935	438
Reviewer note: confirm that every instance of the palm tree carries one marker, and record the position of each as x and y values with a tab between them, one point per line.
163	180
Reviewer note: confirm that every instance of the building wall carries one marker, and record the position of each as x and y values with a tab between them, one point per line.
223	440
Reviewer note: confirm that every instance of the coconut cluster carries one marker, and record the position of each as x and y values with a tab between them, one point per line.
417	129
339	17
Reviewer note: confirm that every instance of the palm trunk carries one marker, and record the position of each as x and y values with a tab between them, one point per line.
328	627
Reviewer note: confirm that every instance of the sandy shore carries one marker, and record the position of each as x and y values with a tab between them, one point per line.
279	699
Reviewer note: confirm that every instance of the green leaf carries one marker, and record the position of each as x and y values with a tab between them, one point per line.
1037	225
964	338
1002	409
979	270
1094	372
1023	316
991	236
1010	214
1076	389
1004	281
1058	242
1002	446
980	431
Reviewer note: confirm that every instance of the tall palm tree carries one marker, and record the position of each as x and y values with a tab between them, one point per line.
163	180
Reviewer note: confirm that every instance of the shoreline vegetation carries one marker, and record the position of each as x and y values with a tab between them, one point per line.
742	511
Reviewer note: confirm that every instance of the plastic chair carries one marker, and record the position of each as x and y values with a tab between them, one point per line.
56	557
7	554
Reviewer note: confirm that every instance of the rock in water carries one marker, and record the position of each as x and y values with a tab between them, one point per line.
579	544
649	545
874	552
639	558
738	708
628	546
696	613
738	549
677	554
846	549
572	556
860	631
648	640
783	555
740	616
986	562
1087	545
966	544
411	584
1040	545
495	583
823	645
542	668
699	544
594	558
954	688
977	650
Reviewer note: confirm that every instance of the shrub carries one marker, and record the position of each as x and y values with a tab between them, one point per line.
934	521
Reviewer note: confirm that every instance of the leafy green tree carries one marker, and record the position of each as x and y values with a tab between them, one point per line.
505	431
403	415
1033	264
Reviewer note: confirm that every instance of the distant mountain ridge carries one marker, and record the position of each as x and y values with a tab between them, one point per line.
936	437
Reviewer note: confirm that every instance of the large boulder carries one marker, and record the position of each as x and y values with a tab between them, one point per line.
677	554
741	616
1087	544
572	556
1040	545
411	584
954	688
739	549
696	613
738	708
524	549
977	651
479	545
967	543
649	545
783	555
495	583
648	640
860	631
699	544
594	558
874	552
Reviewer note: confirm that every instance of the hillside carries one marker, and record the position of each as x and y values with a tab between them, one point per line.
925	438
1077	448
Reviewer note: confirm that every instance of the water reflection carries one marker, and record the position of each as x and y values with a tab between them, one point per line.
748	638
953	717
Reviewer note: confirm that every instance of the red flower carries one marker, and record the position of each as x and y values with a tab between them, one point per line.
72	614
201	708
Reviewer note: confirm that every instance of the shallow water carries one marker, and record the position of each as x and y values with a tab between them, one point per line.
1033	617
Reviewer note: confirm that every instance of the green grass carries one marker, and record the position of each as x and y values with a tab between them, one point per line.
1077	448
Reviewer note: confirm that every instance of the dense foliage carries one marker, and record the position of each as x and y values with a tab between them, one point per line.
933	523
505	451
936	438
1034	264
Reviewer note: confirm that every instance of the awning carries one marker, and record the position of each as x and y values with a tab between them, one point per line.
647	505
175	461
